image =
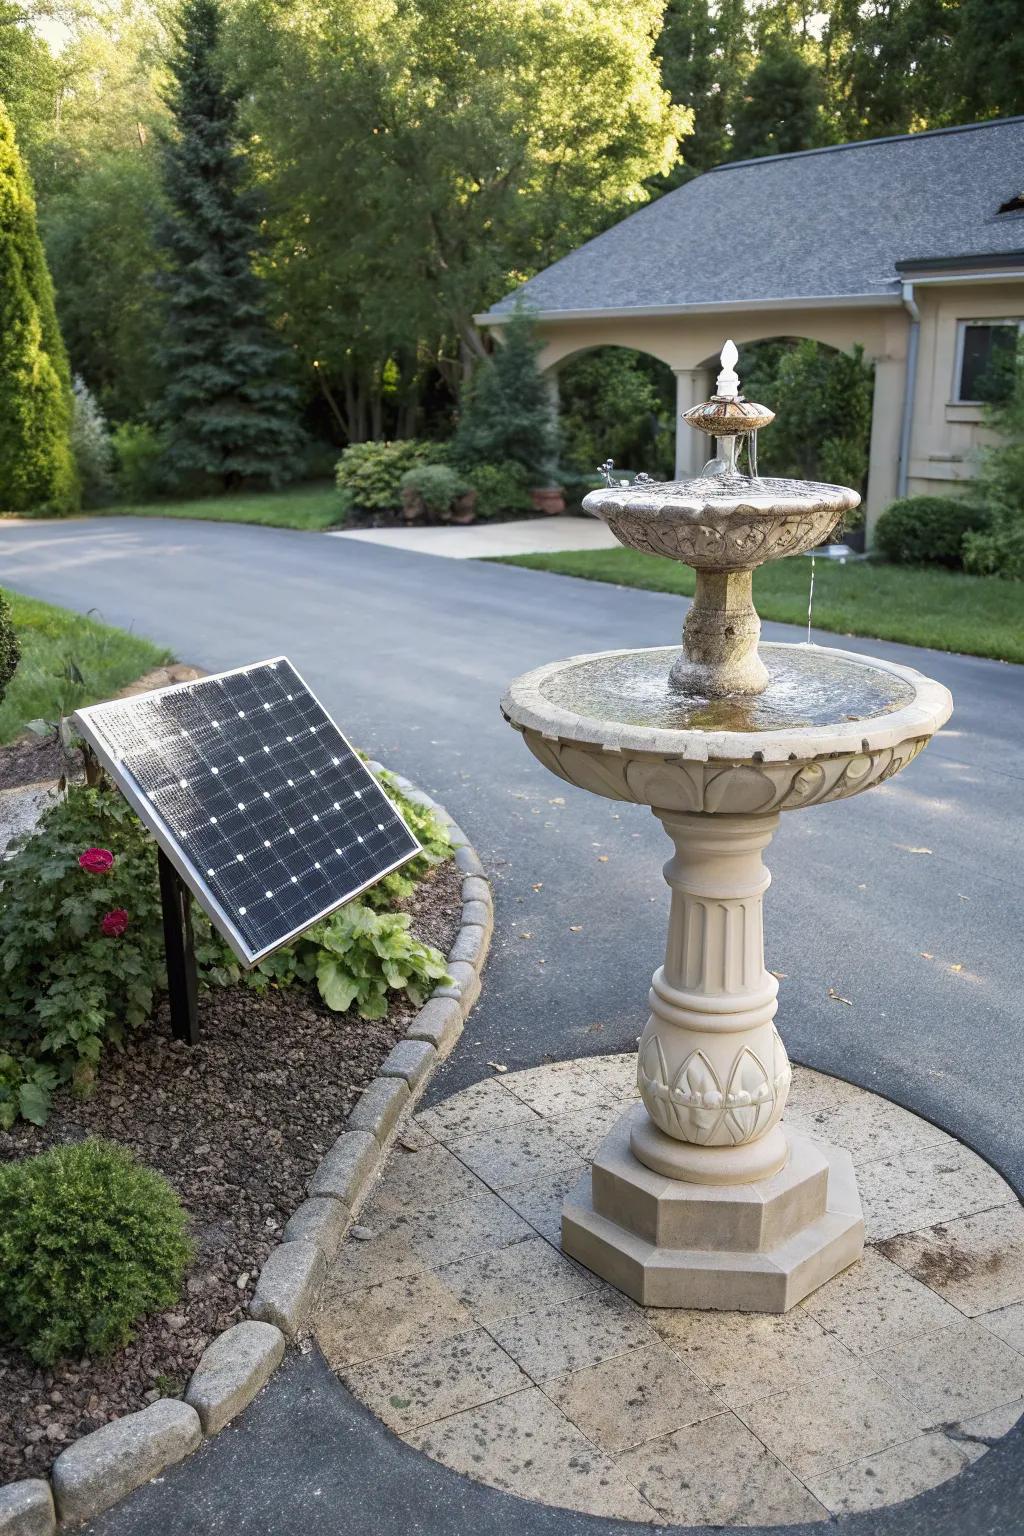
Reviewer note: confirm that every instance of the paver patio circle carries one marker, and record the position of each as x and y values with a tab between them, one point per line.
461	1325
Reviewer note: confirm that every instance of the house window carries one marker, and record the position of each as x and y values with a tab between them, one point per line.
984	359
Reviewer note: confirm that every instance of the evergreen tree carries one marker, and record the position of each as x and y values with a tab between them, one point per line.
91	445
37	471
705	55
781	109
508	416
230	403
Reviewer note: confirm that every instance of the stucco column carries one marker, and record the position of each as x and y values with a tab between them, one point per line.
884	453
692	451
712	1071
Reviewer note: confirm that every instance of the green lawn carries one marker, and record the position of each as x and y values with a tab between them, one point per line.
52	640
313	506
979	615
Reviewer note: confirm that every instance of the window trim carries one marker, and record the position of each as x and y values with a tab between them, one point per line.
958	360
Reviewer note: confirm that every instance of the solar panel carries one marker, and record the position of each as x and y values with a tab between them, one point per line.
255	796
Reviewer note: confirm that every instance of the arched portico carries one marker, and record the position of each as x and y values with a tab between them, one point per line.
689	339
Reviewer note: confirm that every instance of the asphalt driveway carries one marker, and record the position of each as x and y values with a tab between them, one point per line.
903	901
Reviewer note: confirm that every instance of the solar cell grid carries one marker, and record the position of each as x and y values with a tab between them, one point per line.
255	795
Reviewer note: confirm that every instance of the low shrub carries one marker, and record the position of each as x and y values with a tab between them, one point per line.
436	484
10	650
138	462
90	1242
92	447
502	487
997	550
369	475
928	530
81	944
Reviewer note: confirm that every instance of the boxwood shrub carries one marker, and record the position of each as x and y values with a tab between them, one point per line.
90	1241
928	530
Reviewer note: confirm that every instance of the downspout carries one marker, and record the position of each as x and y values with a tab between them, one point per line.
909	389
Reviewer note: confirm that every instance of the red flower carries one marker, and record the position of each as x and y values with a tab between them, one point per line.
115	923
96	860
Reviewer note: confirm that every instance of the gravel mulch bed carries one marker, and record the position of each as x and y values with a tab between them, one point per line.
237	1124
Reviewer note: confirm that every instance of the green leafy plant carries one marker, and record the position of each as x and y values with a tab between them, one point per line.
10	650
81	944
998	548
436	484
138	461
369	475
66	986
91	445
90	1242
928	530
364	955
502	487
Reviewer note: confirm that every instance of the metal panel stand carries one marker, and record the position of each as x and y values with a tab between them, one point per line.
182	981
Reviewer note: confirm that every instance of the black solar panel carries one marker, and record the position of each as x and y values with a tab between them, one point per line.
255	796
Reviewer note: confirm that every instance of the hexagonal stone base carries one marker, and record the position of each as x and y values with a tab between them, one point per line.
742	1248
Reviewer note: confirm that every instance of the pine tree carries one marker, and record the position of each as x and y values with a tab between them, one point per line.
781	110
37	471
91	445
230	405
508	417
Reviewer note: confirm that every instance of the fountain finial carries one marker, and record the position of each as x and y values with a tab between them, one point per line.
728	384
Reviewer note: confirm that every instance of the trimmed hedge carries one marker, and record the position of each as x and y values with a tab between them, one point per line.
928	530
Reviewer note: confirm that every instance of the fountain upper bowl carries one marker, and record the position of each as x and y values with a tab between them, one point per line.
722	522
830	724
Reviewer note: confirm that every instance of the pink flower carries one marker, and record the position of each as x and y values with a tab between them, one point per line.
114	923
96	860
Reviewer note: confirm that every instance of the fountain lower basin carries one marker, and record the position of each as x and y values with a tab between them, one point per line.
830	724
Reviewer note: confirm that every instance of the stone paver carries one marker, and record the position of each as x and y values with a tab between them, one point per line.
487	1106
953	1372
875	1304
936	1184
634	1397
524	1445
386	1318
718	1473
832	1417
435	1381
552	1341
461	1324
977	1263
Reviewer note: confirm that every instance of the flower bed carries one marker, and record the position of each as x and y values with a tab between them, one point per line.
237	1124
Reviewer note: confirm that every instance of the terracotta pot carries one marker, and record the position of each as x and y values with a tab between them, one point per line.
548	498
463	509
412	505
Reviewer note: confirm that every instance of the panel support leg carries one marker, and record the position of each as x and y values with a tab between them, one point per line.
182	981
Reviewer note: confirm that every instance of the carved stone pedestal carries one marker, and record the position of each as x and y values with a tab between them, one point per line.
698	1198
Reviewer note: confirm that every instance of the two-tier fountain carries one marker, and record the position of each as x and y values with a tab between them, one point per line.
700	1196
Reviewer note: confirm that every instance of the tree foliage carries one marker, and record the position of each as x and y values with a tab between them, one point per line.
998	550
229	403
466	144
37	471
619	404
508	415
822	400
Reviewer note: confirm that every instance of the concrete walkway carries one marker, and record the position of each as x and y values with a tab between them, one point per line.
897	901
482	541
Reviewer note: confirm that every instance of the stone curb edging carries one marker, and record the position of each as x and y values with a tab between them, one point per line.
101	1468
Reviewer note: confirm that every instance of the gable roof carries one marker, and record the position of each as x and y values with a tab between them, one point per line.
828	224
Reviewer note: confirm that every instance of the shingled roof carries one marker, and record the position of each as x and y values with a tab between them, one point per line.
828	224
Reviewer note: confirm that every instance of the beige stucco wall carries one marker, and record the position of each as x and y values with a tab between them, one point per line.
946	437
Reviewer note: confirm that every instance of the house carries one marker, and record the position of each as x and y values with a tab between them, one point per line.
911	245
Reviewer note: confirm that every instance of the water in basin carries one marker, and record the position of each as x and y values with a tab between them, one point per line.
808	686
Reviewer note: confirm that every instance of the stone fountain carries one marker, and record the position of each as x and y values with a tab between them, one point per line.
700	1196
